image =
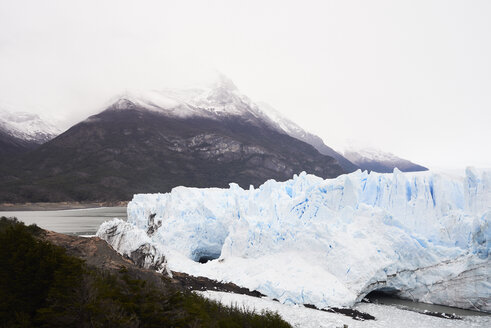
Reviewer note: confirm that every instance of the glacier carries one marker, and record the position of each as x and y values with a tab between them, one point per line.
422	235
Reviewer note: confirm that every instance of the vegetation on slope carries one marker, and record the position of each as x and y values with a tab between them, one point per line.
42	286
116	154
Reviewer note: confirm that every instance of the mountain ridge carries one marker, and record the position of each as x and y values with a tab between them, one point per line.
152	141
224	99
22	131
128	149
373	159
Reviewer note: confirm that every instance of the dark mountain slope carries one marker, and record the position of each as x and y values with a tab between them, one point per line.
11	146
283	124
371	159
388	167
326	150
127	150
22	131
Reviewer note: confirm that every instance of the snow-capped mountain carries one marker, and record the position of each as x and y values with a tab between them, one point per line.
373	159
294	130
203	136
354	157
223	99
154	141
423	236
27	126
21	131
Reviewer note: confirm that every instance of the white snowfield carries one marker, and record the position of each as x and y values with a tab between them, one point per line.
220	99
386	316
325	242
27	126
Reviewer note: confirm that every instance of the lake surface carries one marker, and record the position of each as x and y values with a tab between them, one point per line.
76	222
384	299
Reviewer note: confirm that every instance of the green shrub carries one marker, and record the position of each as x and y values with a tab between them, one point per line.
42	286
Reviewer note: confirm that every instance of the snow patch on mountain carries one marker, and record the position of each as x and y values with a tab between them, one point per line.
283	124
370	153
358	152
424	236
220	99
373	159
27	126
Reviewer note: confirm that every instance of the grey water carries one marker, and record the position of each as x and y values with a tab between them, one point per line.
74	222
384	299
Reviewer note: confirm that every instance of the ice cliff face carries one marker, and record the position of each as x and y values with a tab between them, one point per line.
328	242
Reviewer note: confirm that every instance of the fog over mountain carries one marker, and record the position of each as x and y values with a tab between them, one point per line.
418	72
218	101
156	140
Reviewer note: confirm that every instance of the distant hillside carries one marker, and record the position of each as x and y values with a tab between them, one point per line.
153	141
130	148
292	129
10	145
372	159
21	132
354	158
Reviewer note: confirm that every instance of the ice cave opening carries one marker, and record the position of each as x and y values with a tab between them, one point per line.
381	294
204	255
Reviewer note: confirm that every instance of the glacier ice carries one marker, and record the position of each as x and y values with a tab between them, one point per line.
325	242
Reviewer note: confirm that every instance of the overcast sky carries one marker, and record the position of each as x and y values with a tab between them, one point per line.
410	77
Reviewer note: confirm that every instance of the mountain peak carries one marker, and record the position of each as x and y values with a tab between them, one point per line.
221	98
123	103
224	82
27	126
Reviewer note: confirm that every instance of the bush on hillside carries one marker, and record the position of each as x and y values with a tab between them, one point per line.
42	286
